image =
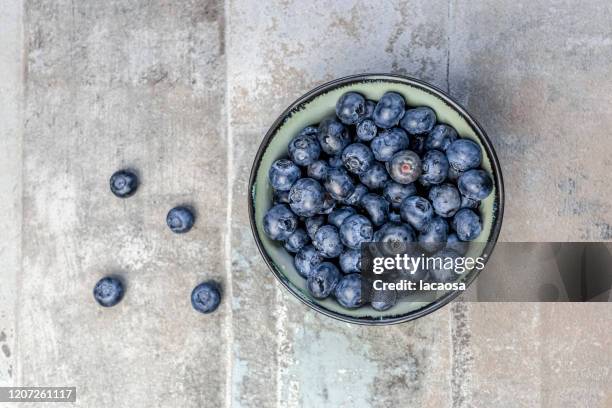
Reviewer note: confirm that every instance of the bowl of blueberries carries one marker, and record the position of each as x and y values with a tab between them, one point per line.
371	158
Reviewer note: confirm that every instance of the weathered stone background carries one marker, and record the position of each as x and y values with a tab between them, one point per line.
184	91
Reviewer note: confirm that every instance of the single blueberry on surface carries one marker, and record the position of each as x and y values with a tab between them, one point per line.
337	217
327	241
443	271
297	240
350	261
304	148
404	167
464	154
376	176
317	170
306	260
108	291
434	168
395	193
355	230
280	222
366	130
469	203
333	136
323	280
306	197
351	108
376	207
440	137
339	183
355	197
283	173
348	291
434	235
280	197
313	224
446	199
454	243
418	120
123	183
357	158
180	220
388	142
475	184
416	211
389	110
205	297
328	204
466	224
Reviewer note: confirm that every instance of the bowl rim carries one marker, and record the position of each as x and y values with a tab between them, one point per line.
482	136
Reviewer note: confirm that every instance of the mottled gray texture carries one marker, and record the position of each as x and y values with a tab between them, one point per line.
146	84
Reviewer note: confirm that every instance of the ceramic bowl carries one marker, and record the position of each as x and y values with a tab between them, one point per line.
320	103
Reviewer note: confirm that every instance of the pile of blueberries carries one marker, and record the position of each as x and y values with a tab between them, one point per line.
108	291
376	172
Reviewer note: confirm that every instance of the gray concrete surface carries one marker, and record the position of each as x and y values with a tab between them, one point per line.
184	92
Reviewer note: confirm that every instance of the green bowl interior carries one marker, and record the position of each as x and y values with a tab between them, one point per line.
311	112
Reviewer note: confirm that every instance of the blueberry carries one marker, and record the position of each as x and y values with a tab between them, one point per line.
388	142
306	260
327	241
370	106
416	211
355	198
205	297
434	168
337	217
323	280
123	183
445	199
475	184
357	158
328	204
395	193
283	174
404	167
441	270
313	224
394	217
376	207
376	177
440	137
418	121
348	291
366	130
180	220
333	136
355	230
467	224
280	222
389	110
306	197
339	184
351	108
434	235
469	203
350	261
304	148
281	197
383	300
395	233
464	154
454	243
297	240
335	162
318	169
108	291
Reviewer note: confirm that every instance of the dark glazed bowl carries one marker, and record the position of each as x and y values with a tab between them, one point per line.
320	103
